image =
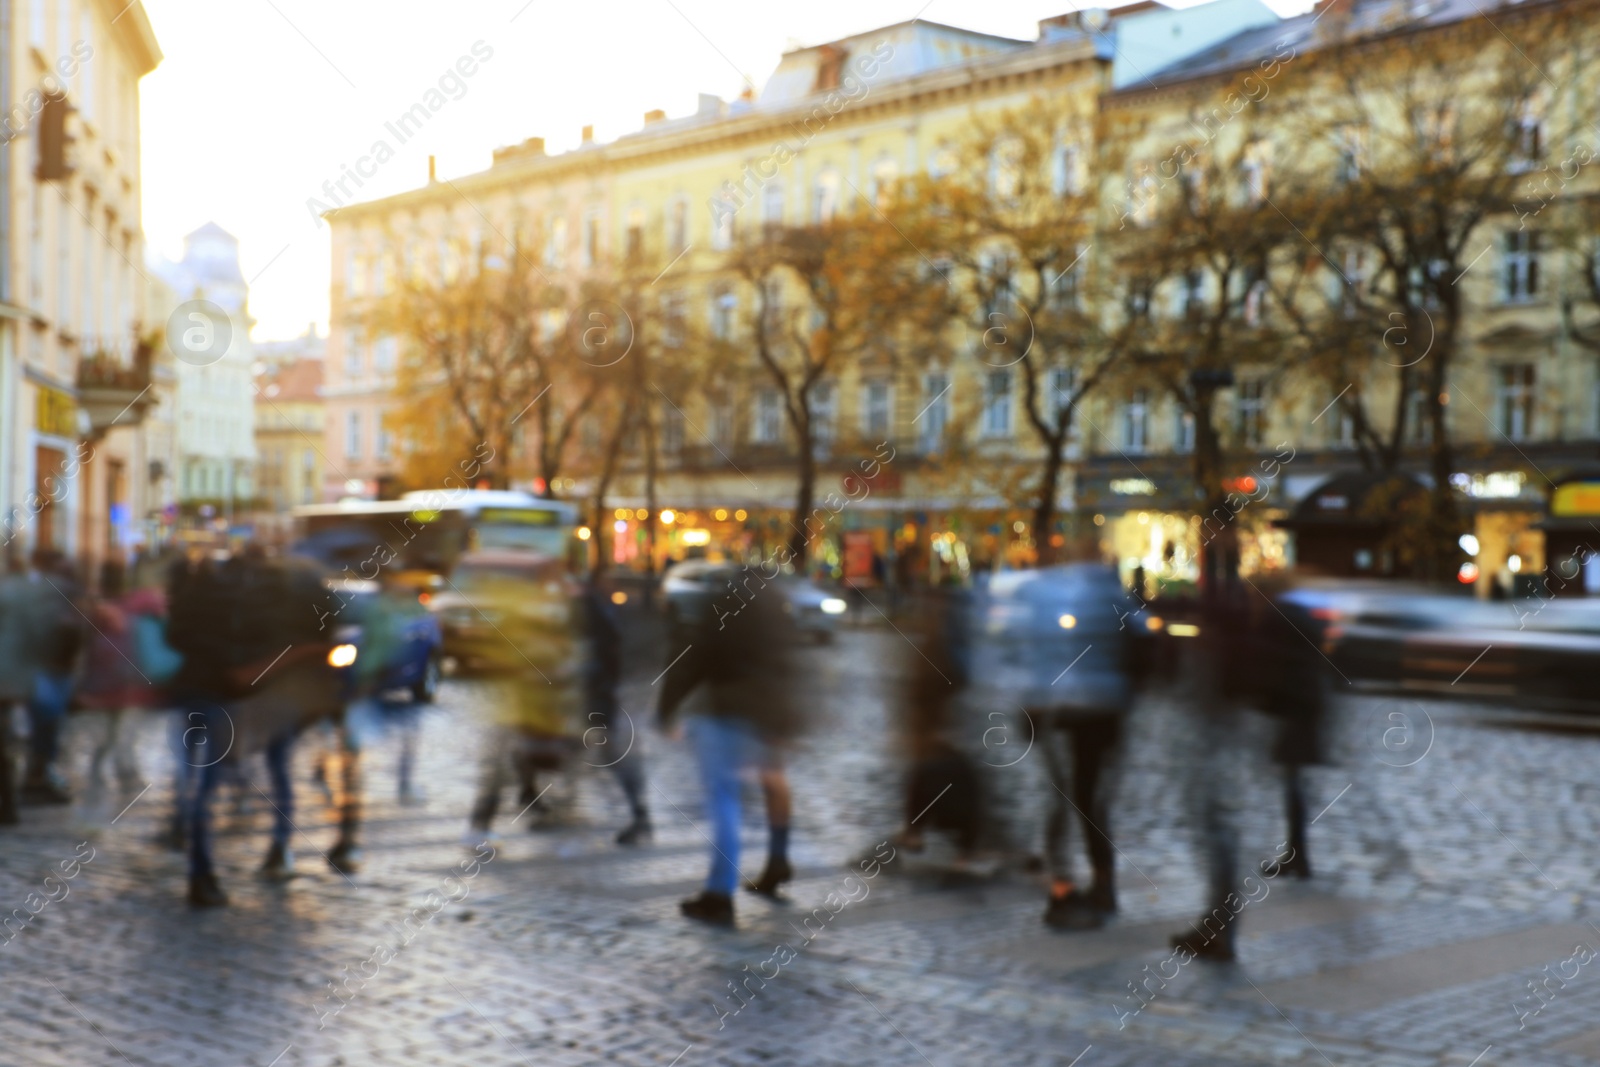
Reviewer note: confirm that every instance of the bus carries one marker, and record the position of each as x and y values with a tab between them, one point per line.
418	539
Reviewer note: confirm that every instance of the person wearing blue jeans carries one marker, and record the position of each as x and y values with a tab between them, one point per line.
735	636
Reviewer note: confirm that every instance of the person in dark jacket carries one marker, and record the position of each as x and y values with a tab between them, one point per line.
19	658
739	644
61	643
609	732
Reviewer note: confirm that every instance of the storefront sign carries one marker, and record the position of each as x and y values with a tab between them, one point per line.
55	413
1575	499
1133	487
1495	485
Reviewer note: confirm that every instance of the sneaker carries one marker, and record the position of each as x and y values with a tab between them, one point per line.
709	907
278	866
777	873
636	833
1074	911
205	892
1216	950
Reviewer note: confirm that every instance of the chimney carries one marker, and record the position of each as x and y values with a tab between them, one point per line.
651	117
534	146
588	135
433	169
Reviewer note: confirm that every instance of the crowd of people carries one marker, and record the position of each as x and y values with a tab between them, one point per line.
242	652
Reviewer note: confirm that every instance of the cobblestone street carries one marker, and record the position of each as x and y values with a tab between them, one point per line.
1453	863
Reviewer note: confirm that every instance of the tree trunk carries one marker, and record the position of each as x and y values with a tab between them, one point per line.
805	492
1044	508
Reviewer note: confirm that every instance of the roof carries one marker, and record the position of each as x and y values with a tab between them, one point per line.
296	381
1331	22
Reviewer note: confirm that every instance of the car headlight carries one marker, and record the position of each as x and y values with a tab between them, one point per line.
1067	622
834	606
341	655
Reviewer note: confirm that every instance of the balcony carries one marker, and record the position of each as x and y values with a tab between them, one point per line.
113	392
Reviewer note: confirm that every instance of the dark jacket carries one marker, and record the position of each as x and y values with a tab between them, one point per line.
742	648
603	669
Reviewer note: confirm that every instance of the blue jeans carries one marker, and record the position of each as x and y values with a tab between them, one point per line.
46	712
207	740
723	747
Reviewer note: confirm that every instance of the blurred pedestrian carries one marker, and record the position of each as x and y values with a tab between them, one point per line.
62	627
19	657
1293	679
117	683
1081	666
537	726
603	714
740	645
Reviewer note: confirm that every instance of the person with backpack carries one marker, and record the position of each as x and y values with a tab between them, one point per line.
126	663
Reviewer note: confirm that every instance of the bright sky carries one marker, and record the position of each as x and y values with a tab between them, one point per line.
259	102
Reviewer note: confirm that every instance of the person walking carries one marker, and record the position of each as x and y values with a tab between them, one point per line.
604	719
116	684
61	644
739	644
19	656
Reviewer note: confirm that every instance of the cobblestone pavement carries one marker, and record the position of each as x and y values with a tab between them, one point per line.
1453	864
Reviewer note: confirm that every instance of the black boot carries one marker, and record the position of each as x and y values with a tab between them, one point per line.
345	857
709	907
777	873
1217	950
637	832
205	892
1072	910
279	864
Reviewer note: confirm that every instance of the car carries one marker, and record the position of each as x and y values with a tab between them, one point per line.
688	588
495	602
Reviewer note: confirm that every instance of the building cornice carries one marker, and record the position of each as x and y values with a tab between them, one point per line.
131	22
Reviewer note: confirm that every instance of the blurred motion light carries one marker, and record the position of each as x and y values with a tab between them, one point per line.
1184	629
1067	622
1469	544
341	655
584	533
741	514
621	526
1467	574
619	598
1019	526
621	513
722	514
834	606
696	537
669	517
1154	623
1515	564
1099	520
642	514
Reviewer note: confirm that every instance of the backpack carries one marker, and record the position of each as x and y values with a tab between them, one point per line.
157	660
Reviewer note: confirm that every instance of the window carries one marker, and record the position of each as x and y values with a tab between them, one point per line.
1005	170
772	305
352	355
385	439
1521	265
1527	136
935	415
1251	401
825	197
1419	428
769	415
722	215
677	226
352	434
555	245
674	311
1256	171
383	354
1066	177
633	236
883	183
1192	296
1514	400
997	404
772	204
672	424
1183	432
1350	148
822	403
724	305
1136	421
1066	288
876	410
591	238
